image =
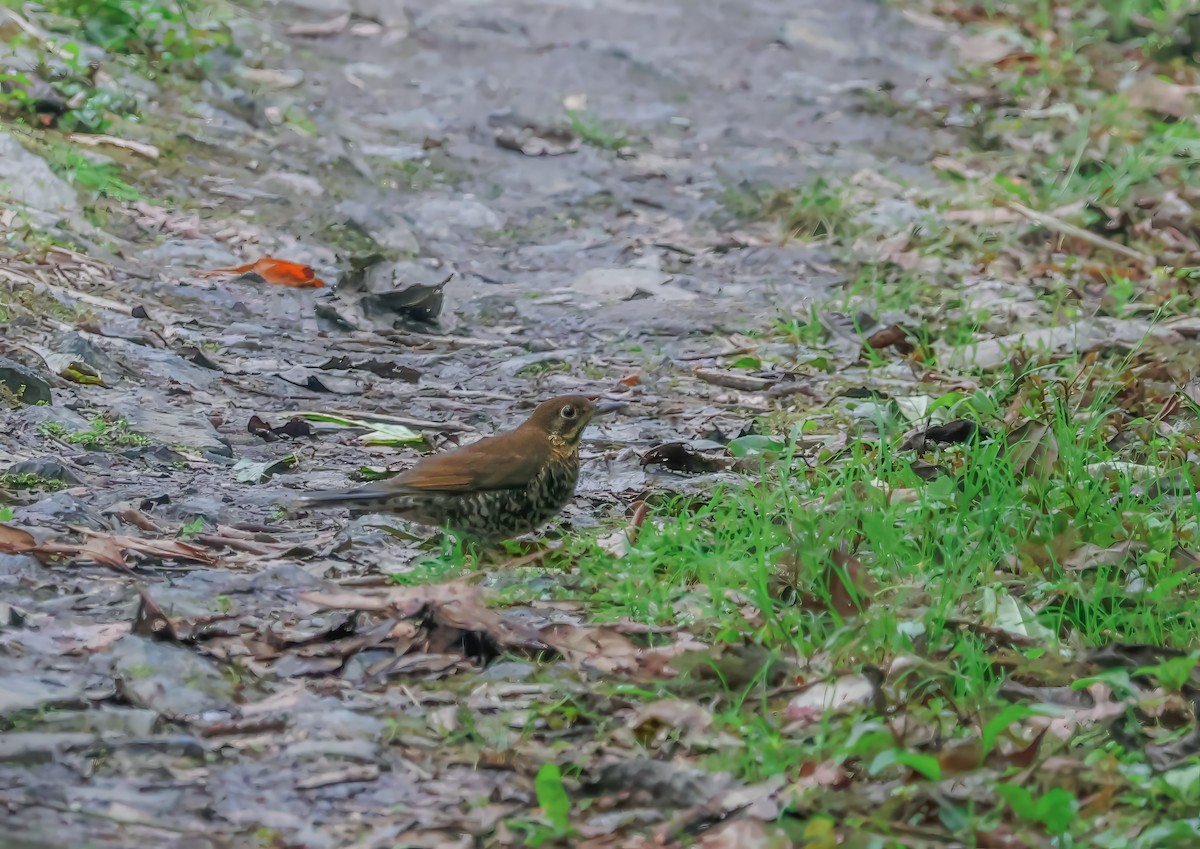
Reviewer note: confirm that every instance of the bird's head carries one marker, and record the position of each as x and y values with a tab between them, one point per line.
564	417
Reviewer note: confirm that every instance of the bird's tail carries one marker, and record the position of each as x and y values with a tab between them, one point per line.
356	499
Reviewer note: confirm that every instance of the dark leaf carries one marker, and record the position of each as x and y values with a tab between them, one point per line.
951	433
891	337
681	457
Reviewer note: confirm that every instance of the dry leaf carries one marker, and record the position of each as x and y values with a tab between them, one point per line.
320	28
15	541
279	272
1164	97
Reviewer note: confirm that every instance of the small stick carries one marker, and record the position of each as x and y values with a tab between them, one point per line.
1057	224
741	382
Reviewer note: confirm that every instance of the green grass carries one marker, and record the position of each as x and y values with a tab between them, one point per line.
30	481
102	435
597	133
99	178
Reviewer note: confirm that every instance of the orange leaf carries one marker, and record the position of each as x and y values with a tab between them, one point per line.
15	541
279	272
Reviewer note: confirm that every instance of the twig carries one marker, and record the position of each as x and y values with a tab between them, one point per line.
36	33
141	148
406	421
1057	224
100	815
741	382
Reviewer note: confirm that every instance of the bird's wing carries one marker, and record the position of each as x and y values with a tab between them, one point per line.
500	462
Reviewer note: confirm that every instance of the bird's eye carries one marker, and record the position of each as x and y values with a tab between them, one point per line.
567	412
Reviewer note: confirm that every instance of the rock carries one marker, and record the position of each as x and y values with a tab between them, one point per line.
169	426
442	218
32	747
390	235
23	383
300	184
105	720
166	366
1079	338
36	416
609	285
890	215
419	120
390	13
187	255
74	345
62	508
25	178
327	8
45	469
174	681
397	237
18	570
32	692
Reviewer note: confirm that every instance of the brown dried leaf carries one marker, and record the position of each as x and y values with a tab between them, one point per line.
894	336
651	720
16	541
1033	449
1164	97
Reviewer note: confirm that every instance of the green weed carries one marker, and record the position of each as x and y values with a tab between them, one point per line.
102	435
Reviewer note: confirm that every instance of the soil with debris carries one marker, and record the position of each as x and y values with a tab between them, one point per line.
184	665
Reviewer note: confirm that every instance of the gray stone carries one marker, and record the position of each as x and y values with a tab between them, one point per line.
890	215
106	720
73	344
187	255
397	237
174	681
390	13
441	218
146	362
25	178
300	184
609	285
35	416
45	469
30	747
169	426
26	692
23	383
62	508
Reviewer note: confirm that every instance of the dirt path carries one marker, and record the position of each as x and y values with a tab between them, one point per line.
270	720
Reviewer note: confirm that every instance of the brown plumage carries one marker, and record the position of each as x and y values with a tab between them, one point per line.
490	490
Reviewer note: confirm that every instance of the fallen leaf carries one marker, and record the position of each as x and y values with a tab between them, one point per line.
891	337
681	457
278	272
15	541
1164	97
1033	450
111	549
293	428
950	433
658	719
818	700
378	433
247	471
332	26
847	587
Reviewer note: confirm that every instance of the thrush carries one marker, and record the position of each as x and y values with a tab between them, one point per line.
494	489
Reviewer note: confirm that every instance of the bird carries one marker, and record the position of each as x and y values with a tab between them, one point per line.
491	490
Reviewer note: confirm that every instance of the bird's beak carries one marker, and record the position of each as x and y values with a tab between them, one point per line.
603	408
